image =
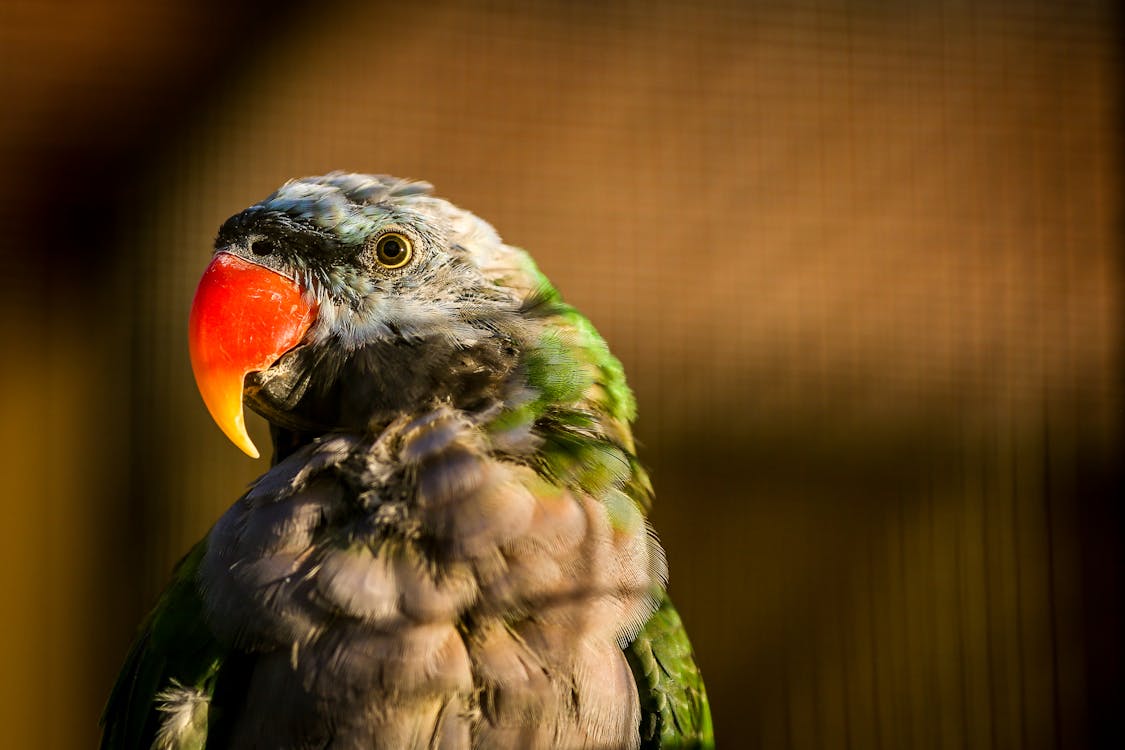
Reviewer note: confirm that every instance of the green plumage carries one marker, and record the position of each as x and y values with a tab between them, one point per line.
173	647
674	705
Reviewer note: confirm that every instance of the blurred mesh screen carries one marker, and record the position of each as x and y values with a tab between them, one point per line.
861	263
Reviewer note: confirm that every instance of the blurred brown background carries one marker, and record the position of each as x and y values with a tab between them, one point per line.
862	263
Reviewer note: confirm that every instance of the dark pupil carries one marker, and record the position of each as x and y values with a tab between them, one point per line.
391	248
262	247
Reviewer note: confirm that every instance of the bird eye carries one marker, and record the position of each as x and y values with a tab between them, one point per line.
262	247
393	250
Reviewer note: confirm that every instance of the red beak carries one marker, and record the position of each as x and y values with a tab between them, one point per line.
243	318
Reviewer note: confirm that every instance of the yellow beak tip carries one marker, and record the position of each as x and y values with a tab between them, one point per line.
241	438
249	449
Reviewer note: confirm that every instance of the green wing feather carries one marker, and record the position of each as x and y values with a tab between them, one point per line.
674	708
174	646
583	414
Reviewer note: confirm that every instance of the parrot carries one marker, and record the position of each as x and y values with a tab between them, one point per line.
451	547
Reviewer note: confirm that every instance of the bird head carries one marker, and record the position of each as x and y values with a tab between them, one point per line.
344	298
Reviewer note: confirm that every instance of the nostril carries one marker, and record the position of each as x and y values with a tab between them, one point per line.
262	247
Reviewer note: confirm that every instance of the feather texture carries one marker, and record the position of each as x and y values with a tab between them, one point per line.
452	549
420	532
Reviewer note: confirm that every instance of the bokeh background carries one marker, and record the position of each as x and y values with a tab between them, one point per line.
862	262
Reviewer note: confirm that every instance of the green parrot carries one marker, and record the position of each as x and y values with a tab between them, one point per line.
450	549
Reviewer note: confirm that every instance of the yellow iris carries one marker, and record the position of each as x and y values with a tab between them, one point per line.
393	250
